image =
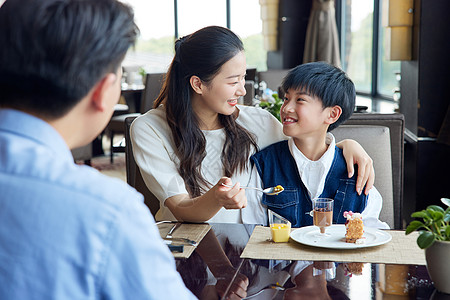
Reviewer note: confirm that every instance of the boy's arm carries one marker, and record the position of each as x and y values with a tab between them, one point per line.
354	153
372	211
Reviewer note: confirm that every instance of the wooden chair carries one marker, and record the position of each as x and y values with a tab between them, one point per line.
134	177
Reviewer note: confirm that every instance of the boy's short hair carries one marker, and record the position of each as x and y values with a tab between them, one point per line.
328	83
53	52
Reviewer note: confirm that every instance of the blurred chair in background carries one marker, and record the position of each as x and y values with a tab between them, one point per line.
251	74
84	153
250	95
134	177
153	84
272	78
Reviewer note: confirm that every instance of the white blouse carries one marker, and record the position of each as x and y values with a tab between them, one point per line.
153	149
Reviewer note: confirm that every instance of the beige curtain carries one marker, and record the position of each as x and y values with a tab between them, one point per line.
322	43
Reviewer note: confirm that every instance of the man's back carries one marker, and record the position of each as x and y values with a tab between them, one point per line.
66	231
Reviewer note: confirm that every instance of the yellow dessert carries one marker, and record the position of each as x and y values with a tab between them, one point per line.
280	232
278	189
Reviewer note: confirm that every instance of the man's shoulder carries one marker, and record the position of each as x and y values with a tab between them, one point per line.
72	182
95	185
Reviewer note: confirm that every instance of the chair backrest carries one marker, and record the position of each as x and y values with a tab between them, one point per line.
250	95
376	141
153	85
83	153
396	124
273	78
251	74
134	177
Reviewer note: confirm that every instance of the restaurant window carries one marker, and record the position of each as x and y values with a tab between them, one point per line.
245	21
388	71
358	28
155	46
196	14
159	28
362	49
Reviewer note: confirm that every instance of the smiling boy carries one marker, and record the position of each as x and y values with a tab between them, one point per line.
308	165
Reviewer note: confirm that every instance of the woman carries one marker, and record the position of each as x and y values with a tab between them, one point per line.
196	138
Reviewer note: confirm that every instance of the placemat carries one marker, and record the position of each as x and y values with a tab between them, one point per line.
194	232
402	249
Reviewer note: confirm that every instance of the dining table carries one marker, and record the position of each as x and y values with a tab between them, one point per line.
240	261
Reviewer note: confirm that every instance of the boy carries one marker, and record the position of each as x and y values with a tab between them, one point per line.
67	231
318	98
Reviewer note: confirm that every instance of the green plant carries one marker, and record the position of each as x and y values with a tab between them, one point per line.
435	224
142	72
273	107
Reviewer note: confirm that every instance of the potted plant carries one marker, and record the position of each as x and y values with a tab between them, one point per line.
434	237
273	106
143	74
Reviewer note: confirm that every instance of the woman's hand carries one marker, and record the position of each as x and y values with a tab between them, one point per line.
354	153
230	198
238	289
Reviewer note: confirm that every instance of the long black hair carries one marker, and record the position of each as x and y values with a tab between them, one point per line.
202	54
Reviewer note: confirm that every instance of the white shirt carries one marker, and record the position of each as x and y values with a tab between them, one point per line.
154	152
313	174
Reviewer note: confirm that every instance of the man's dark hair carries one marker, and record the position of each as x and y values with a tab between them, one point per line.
326	82
54	51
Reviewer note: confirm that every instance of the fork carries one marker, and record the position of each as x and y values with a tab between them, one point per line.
170	233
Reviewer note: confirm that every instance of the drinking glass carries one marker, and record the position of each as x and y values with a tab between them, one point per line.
280	227
322	214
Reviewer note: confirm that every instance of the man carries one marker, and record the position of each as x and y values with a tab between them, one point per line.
66	231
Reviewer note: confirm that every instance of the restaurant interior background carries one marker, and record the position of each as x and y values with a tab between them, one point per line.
417	87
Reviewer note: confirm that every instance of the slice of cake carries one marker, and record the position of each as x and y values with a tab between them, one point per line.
354	227
353	268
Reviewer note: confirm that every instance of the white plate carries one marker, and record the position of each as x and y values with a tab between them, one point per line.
336	240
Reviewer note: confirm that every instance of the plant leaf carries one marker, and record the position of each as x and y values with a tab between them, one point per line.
425	239
419	214
435	208
446	201
447	216
447	233
413	226
428	212
437	216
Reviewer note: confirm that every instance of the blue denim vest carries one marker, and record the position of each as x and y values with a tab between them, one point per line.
276	165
